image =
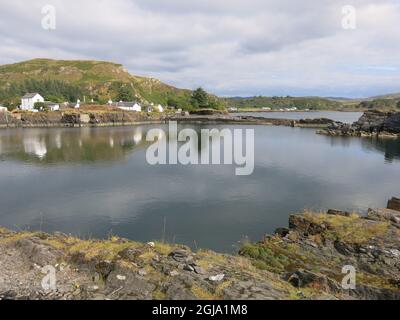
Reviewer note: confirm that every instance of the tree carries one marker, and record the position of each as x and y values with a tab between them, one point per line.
53	98
398	105
216	104
58	90
124	92
40	106
172	102
199	98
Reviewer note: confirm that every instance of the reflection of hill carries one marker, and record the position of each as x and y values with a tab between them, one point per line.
66	145
389	147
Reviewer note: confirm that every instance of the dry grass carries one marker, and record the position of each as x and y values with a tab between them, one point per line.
159	295
163	248
203	294
350	229
14	237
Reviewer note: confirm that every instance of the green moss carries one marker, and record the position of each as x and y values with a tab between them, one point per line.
351	229
159	295
270	256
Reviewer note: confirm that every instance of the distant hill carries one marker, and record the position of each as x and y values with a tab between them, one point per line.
395	96
276	103
98	80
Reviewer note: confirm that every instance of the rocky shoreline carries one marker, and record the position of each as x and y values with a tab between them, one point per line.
304	261
120	118
250	120
371	124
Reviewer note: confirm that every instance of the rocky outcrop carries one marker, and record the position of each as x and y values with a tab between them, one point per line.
312	253
372	123
121	269
230	119
308	260
394	204
209	112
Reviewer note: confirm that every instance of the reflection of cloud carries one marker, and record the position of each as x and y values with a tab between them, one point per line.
35	146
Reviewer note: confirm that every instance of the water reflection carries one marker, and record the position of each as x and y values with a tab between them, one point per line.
209	205
44	146
389	147
70	145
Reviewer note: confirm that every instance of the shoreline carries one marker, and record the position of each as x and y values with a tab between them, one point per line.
114	119
301	262
298	111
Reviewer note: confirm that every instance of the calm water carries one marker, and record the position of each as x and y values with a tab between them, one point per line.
93	181
346	117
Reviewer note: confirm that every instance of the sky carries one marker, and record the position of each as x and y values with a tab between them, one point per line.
231	48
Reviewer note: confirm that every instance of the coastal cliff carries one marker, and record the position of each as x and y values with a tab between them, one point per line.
304	261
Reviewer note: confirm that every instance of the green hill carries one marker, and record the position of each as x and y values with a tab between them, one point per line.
276	103
98	80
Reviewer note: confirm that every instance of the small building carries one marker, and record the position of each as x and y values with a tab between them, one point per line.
129	106
78	104
28	101
160	108
52	106
3	109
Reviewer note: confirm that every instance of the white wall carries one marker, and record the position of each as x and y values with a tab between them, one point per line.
28	104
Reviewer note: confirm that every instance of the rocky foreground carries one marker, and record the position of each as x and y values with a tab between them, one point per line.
303	261
371	124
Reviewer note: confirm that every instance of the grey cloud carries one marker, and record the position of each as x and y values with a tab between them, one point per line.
236	47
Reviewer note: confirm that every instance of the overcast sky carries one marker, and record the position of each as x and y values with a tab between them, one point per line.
231	48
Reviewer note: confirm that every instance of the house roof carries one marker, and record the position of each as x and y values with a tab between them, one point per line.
126	104
30	95
49	103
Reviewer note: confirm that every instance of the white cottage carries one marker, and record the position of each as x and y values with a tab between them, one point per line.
129	106
52	106
28	101
78	104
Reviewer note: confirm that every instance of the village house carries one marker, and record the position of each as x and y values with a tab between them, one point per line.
129	106
28	101
2	108
52	106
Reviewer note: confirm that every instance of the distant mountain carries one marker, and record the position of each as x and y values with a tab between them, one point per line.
96	80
